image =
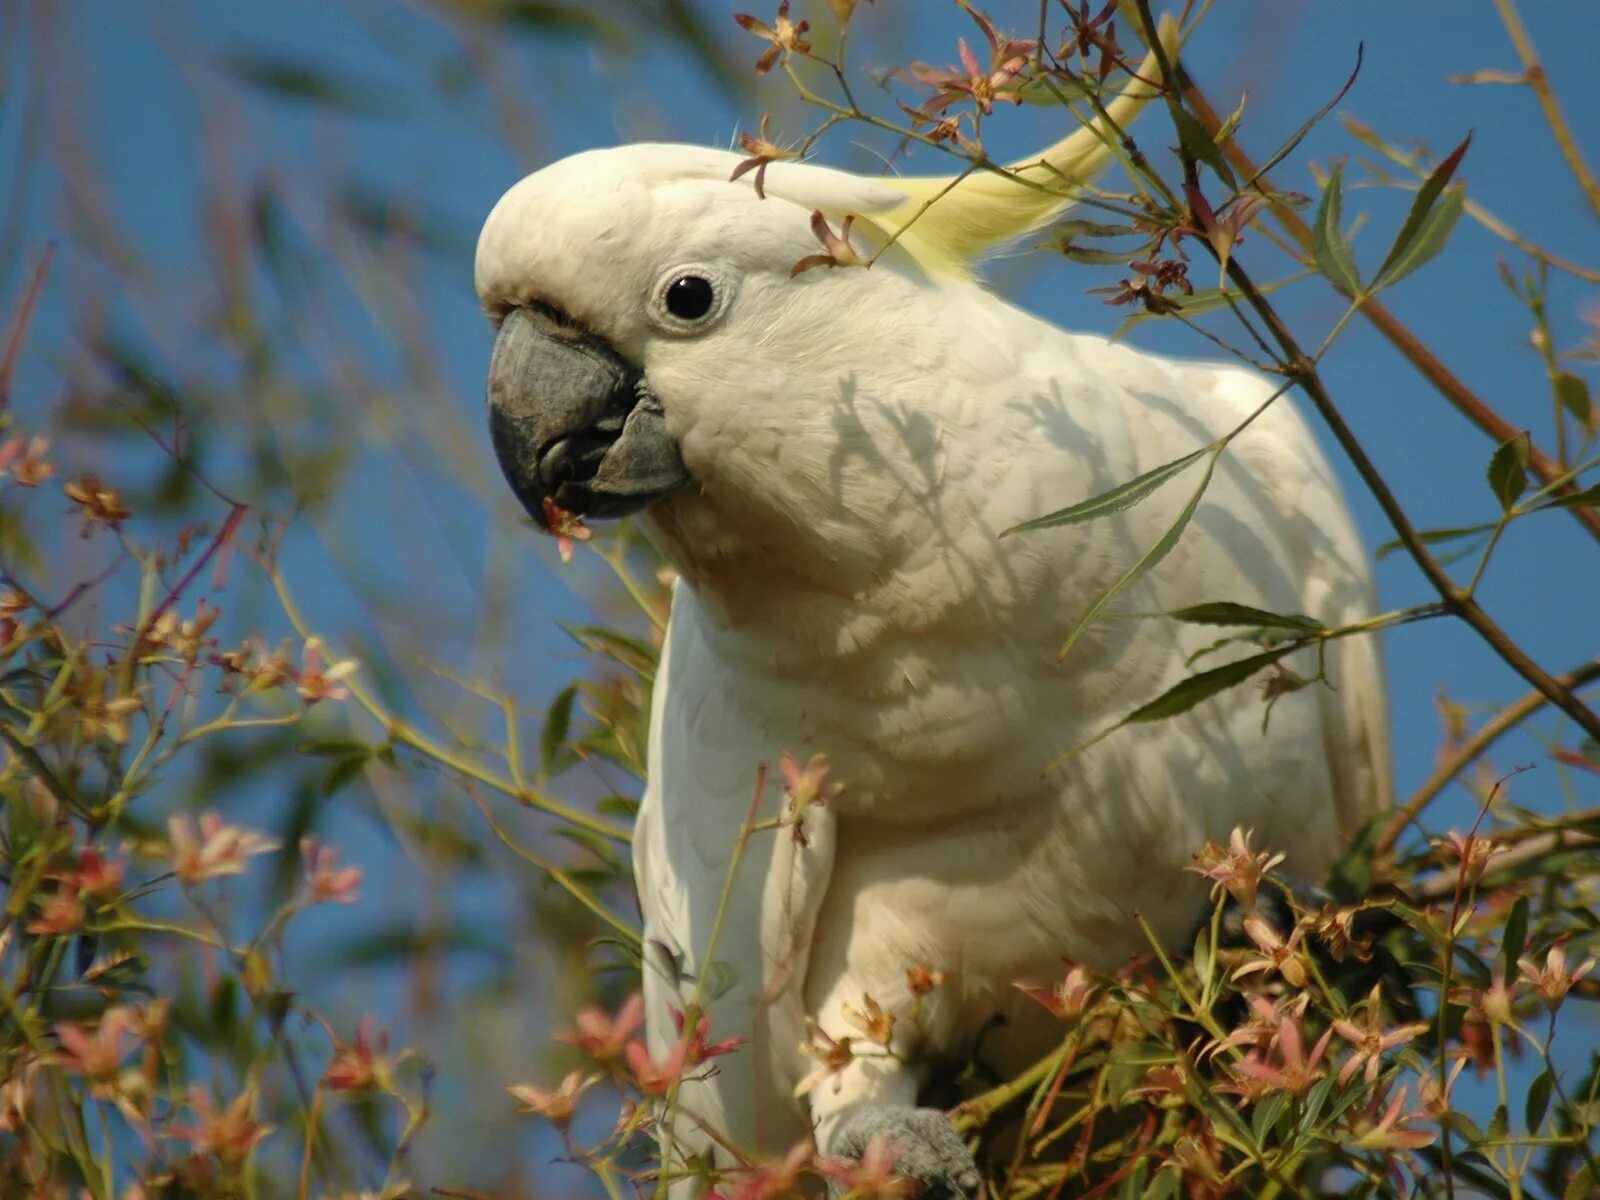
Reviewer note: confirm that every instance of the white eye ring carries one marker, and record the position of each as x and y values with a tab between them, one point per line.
689	298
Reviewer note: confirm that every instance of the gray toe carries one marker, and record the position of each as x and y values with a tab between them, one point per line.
929	1152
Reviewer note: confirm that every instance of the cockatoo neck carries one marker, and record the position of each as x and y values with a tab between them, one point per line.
759	569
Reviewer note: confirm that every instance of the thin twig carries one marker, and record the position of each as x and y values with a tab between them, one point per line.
1470	750
1445	381
1540	83
1303	371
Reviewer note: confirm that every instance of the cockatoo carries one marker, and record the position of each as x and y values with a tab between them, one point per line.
828	459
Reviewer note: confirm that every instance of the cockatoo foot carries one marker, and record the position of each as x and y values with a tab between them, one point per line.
926	1150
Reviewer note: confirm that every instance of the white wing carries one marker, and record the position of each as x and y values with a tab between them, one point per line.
747	940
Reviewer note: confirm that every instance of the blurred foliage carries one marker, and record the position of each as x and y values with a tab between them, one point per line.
186	1009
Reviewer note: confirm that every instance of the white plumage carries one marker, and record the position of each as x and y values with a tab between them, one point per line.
857	441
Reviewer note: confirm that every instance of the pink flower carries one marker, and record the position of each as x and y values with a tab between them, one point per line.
1275	953
696	1048
557	1105
25	461
777	1180
1072	997
1294	1072
602	1036
875	1023
1371	1042
983	86
360	1066
1554	981
316	682
97	1054
61	912
872	1177
833	1055
217	849
229	1134
786	36
326	883
1469	850
565	527
656	1078
1236	868
1394	1129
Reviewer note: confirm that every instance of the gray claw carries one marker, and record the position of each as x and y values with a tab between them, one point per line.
929	1152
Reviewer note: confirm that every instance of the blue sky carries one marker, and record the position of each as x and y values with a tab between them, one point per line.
147	92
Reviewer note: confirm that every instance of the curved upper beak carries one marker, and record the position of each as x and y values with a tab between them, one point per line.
575	424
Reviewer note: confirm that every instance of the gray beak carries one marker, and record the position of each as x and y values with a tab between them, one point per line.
574	423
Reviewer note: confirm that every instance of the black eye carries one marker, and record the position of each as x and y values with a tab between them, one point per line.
689	297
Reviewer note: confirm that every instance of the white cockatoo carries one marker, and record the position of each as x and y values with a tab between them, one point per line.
829	459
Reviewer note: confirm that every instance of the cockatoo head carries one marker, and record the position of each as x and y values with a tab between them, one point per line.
658	350
649	319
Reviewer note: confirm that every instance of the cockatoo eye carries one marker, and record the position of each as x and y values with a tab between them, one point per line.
690	297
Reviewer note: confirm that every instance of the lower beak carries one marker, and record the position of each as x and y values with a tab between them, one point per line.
575	424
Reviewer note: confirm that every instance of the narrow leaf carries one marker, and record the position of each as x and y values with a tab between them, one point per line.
1187	693
1198	143
1151	556
1588	498
1224	612
557	722
1573	393
1231	126
1332	249
1124	495
295	80
1435	232
1508	470
1432	537
1283	151
1422	206
1515	938
1538	1101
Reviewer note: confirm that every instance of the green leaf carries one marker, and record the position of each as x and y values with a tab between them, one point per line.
598	846
1152	556
1508	470
1124	495
1229	127
1429	222
1583	1184
1316	1100
1299	135
638	657
1588	498
1433	537
289	79
1267	1114
557	722
1515	938
1573	393
334	748
1332	249
718	979
1198	143
1224	612
1187	693
1538	1100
